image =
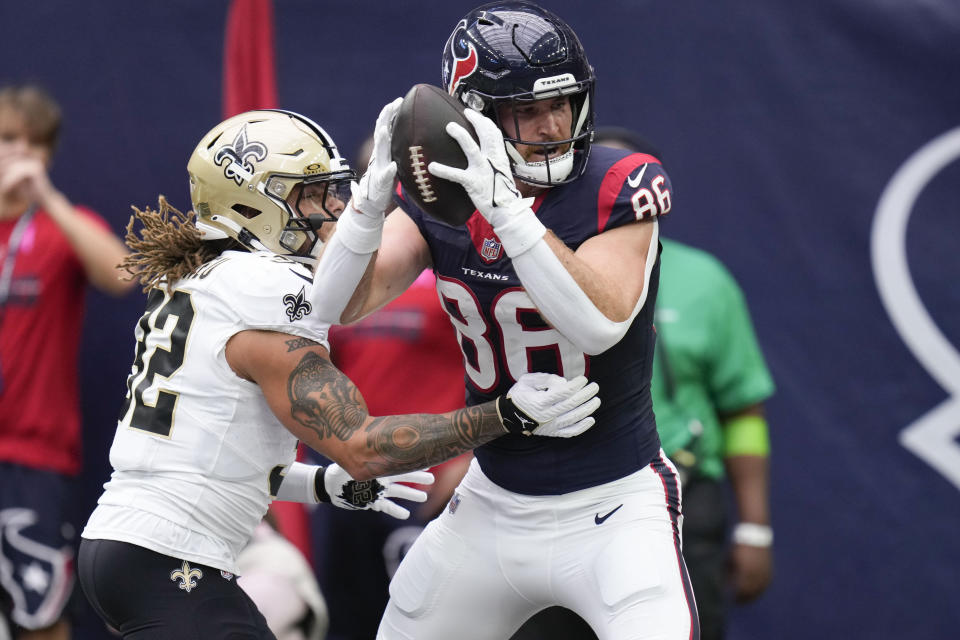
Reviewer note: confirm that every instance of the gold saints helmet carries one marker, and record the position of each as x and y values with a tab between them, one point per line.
268	179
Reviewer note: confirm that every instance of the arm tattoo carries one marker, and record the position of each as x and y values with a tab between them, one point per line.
300	343
323	399
418	441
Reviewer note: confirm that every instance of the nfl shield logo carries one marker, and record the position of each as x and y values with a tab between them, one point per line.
491	249
454	503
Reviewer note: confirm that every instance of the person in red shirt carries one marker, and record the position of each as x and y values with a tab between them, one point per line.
49	250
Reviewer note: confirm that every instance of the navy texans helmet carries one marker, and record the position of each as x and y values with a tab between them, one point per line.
514	52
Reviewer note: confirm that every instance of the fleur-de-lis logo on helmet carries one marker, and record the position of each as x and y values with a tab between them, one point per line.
236	157
187	576
297	305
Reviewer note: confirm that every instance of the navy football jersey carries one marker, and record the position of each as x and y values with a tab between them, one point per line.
503	336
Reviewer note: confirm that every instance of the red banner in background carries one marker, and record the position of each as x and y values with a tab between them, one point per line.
249	73
249	82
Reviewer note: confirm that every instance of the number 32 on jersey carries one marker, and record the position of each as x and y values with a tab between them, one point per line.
161	343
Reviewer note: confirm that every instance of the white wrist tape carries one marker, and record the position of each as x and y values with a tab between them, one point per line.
298	483
358	231
753	534
521	228
343	263
564	304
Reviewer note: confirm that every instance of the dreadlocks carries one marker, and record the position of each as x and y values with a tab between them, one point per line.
169	246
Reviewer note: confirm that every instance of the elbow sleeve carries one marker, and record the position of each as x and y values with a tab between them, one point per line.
566	306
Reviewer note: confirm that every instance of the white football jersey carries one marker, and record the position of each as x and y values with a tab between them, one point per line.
198	454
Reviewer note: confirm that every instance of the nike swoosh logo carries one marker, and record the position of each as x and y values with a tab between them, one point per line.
635	182
598	519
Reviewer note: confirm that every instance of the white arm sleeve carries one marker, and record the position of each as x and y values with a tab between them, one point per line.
563	303
298	484
344	261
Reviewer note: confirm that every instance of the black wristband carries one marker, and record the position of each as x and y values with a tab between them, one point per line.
319	487
513	419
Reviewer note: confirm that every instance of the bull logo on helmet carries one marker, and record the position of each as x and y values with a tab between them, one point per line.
237	156
464	58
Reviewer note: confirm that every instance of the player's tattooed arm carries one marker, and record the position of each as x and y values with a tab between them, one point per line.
325	410
324	400
418	441
327	404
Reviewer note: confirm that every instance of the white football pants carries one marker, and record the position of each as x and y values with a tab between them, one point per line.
610	553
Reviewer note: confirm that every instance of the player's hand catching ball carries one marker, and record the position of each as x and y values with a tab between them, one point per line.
374	193
544	404
334	485
488	180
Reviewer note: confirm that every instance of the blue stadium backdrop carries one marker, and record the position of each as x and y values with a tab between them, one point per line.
814	148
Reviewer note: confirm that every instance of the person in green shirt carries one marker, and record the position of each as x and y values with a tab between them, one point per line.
709	384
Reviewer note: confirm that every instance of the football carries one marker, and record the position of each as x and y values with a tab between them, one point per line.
419	138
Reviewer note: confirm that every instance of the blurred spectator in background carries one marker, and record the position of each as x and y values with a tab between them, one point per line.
709	384
404	358
49	250
280	581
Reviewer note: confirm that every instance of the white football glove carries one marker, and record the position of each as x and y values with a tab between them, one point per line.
338	488
544	404
488	180
374	193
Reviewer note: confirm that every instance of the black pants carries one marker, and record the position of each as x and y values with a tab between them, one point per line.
704	551
149	596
